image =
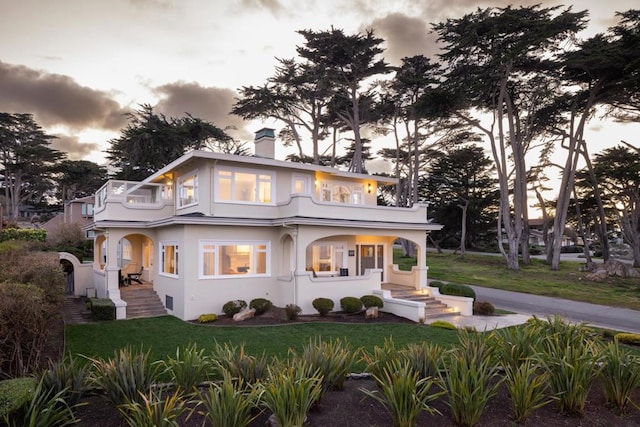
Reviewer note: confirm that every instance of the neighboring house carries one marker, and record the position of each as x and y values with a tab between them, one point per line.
79	211
536	233
212	227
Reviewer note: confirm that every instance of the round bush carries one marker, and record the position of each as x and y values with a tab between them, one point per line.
436	284
323	305
207	318
260	305
350	304
371	301
483	308
443	325
292	311
455	289
234	306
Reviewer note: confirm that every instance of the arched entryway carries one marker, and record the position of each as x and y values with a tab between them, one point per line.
135	258
69	270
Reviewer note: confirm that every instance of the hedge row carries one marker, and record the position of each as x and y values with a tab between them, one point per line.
24	234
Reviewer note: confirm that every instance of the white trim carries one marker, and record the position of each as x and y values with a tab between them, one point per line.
176	257
256	172
217	244
306	179
193	174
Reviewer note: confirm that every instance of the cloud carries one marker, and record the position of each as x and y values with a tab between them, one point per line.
71	145
55	99
405	36
273	6
212	104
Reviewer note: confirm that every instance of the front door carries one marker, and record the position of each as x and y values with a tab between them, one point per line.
370	256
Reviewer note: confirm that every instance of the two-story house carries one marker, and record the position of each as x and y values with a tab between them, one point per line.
212	227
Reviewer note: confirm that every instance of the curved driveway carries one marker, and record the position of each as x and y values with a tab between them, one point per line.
621	319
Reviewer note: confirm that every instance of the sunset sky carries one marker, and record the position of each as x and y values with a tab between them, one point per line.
79	65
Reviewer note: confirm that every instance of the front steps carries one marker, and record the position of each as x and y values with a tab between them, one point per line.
142	301
433	307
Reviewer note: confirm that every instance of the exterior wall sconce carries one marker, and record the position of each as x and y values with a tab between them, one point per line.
369	188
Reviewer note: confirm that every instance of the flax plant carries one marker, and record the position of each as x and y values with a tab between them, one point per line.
403	393
516	345
620	375
239	363
469	383
476	347
425	358
188	368
381	357
230	402
527	387
289	393
122	377
68	375
333	358
153	409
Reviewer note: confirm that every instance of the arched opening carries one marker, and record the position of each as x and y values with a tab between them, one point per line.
100	251
288	256
135	258
68	269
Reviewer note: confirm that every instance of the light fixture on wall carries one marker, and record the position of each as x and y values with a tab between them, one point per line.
369	188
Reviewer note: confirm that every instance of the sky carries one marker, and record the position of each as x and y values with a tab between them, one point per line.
80	65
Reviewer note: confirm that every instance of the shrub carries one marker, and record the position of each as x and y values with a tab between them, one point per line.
371	301
152	409
292	311
230	402
323	305
103	309
207	318
436	284
381	358
123	377
239	364
289	393
527	389
24	234
67	378
188	368
425	358
15	394
483	308
350	304
234	306
261	305
626	338
620	375
333	358
443	325
455	289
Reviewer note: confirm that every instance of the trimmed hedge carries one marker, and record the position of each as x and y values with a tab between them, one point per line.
323	305
443	325
15	394
628	338
483	308
24	234
371	301
436	284
234	306
350	305
457	290
260	305
102	309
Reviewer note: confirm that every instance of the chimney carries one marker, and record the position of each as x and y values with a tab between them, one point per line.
265	143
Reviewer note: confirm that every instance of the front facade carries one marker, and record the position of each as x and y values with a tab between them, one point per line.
211	227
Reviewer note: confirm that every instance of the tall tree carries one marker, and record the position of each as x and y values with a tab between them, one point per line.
297	95
461	186
79	178
346	61
492	57
26	160
151	141
604	71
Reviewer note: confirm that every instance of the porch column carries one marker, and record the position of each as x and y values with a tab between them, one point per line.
112	277
421	266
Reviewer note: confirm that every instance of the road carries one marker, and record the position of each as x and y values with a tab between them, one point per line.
620	319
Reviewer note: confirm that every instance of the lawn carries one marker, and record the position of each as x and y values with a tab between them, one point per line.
164	334
538	278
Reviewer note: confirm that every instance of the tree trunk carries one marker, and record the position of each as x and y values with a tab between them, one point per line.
463	234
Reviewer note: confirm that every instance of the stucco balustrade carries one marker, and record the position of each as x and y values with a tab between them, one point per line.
134	201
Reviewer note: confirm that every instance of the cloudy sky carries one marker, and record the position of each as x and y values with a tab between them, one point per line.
79	65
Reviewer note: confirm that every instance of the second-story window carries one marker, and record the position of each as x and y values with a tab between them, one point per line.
244	186
342	193
87	209
188	190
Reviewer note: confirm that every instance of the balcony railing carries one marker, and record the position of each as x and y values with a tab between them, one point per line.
131	195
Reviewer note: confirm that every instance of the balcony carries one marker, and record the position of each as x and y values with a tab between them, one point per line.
133	201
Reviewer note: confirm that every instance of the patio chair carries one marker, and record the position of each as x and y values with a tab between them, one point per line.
135	277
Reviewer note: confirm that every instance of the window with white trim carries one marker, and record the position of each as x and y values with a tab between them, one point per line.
218	259
169	258
245	186
342	193
188	190
301	184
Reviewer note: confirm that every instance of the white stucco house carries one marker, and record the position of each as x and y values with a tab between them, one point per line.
212	227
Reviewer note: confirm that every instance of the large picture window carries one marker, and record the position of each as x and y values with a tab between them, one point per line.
244	186
219	259
342	193
326	256
188	190
169	258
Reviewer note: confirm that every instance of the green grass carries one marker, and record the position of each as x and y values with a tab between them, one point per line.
164	334
538	278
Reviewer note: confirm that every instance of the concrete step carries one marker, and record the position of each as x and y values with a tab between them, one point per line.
142	301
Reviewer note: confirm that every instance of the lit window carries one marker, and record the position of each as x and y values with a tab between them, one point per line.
326	256
300	184
188	190
244	186
342	193
230	259
169	258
